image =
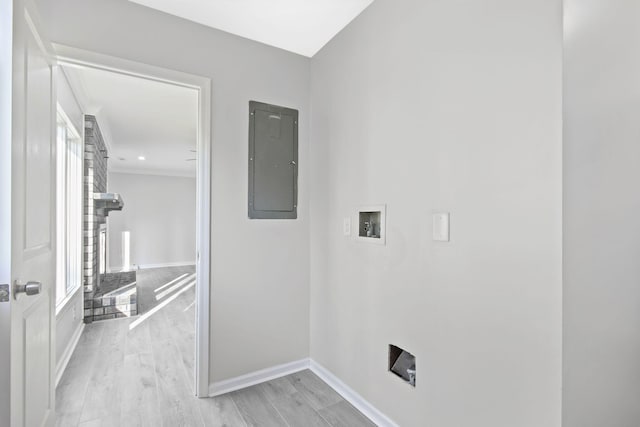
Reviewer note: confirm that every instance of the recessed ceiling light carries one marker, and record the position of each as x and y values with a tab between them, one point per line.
141	158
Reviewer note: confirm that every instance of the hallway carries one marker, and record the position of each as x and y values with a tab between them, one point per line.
124	370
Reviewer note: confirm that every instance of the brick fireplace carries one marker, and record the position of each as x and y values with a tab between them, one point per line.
95	181
106	295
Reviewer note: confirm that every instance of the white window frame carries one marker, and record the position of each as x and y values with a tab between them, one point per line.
69	192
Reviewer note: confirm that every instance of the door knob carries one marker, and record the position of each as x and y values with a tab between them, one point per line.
30	288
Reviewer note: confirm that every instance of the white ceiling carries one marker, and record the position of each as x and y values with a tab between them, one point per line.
299	26
140	117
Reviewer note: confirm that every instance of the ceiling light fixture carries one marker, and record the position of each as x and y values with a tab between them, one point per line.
141	158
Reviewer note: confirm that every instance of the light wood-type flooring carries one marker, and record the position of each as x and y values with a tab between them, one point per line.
139	372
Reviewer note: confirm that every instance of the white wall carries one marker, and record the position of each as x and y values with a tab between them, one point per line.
160	215
432	105
69	318
260	269
601	205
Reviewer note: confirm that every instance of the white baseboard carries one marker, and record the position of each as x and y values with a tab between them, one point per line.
166	264
248	380
115	269
61	365
257	377
351	396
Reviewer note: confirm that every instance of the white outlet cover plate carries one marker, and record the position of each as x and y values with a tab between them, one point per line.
346	226
441	227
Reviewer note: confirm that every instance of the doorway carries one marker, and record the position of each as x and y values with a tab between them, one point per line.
197	277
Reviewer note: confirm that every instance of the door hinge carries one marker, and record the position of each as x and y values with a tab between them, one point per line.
4	293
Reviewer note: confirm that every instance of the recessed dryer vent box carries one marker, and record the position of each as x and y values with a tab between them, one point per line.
372	224
403	364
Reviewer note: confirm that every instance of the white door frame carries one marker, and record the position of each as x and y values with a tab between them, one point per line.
6	79
71	56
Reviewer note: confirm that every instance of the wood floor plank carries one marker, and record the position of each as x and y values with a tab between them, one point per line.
160	329
139	392
296	410
220	411
66	418
319	394
138	339
71	391
91	335
151	282
255	408
92	423
101	399
177	402
187	346
342	414
279	387
113	341
102	422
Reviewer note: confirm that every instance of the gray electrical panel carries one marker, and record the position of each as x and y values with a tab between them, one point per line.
273	162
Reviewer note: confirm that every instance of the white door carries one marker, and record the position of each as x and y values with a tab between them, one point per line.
28	345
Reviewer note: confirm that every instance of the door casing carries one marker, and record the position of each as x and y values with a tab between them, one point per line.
6	73
71	56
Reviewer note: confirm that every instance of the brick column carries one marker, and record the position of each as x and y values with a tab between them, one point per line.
95	181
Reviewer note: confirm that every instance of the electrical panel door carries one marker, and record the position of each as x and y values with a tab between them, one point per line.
273	162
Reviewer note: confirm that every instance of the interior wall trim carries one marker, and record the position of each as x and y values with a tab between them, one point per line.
61	365
257	377
351	396
115	269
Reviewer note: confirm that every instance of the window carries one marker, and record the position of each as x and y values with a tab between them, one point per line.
69	209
